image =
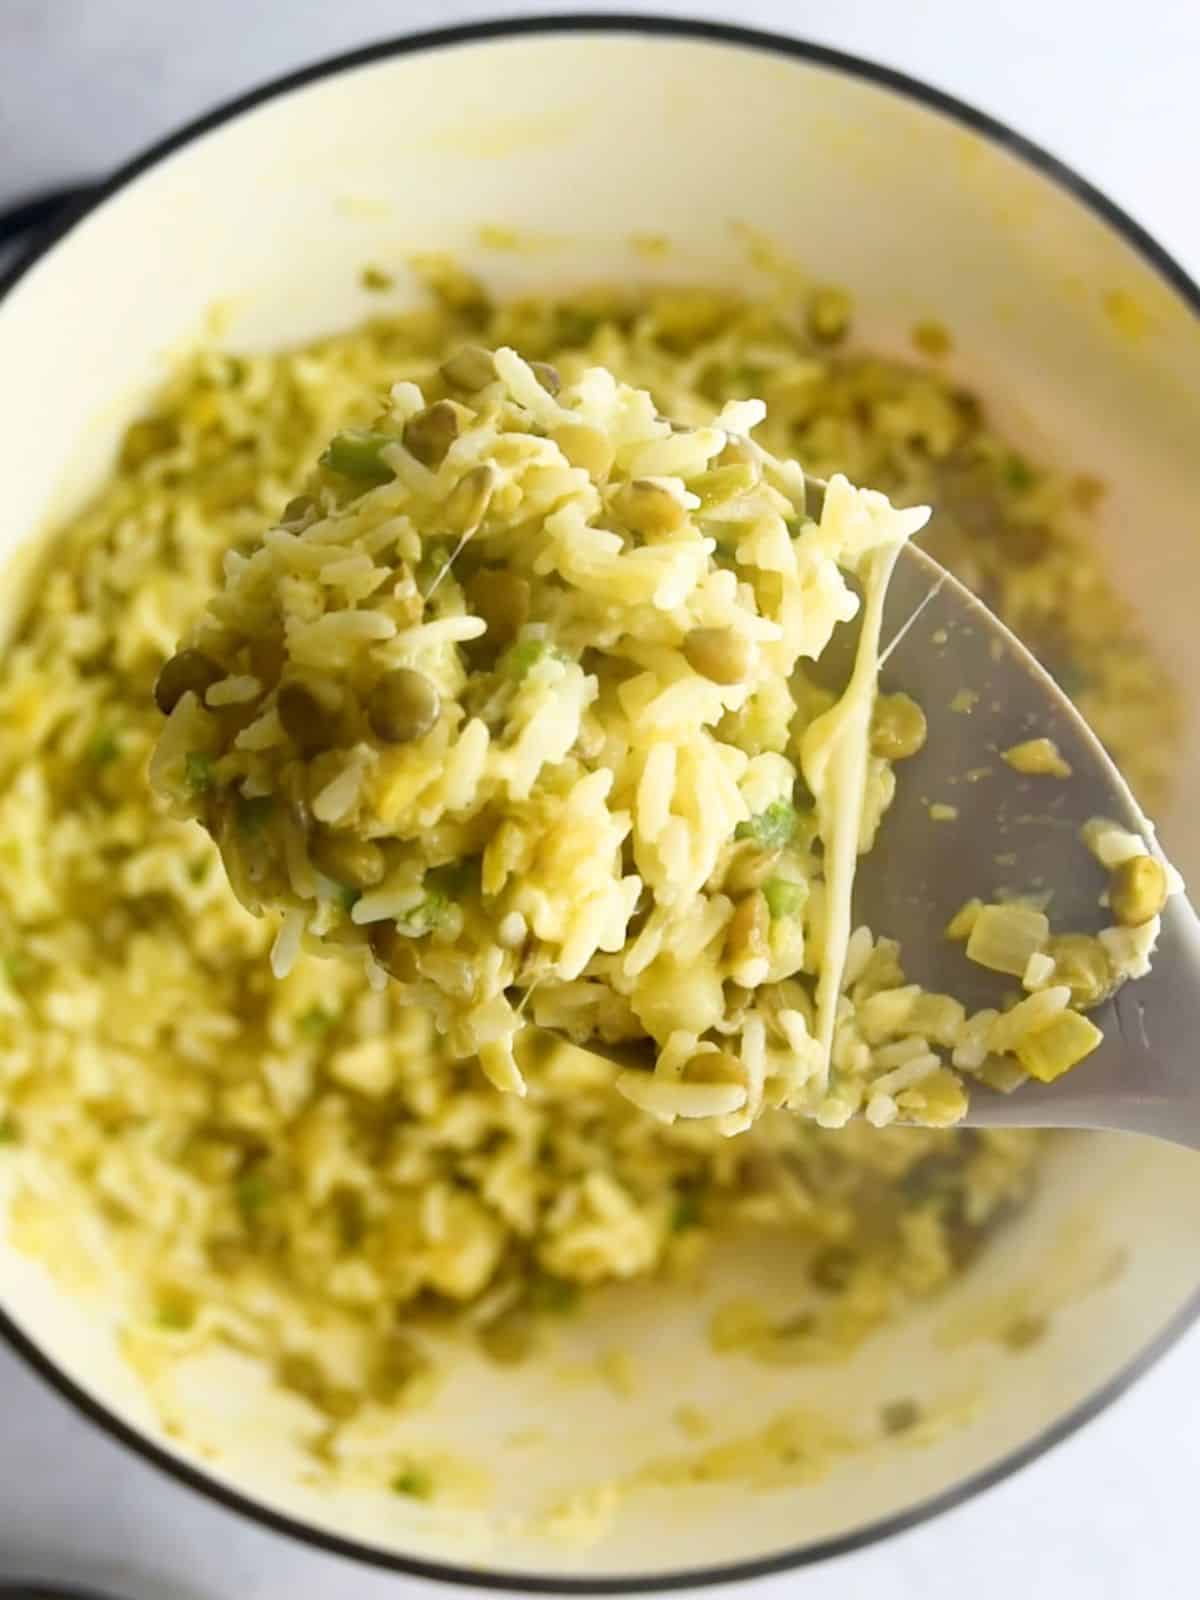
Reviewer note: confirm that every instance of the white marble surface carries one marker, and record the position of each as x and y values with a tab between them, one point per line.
1112	88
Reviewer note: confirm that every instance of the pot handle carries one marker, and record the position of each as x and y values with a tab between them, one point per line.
28	224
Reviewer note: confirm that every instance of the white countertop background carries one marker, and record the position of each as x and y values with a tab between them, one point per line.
1111	87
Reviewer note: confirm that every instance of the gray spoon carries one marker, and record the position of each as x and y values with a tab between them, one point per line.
1145	1077
1021	833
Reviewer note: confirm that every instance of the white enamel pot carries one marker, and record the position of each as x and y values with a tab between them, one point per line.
581	133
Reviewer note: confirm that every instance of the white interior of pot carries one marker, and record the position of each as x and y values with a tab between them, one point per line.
580	142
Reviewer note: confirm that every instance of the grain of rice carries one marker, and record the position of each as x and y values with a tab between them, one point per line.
233	691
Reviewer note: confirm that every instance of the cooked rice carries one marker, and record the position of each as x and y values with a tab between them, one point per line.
260	1154
420	761
597	782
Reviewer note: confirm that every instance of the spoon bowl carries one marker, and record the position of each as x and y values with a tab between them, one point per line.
983	692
